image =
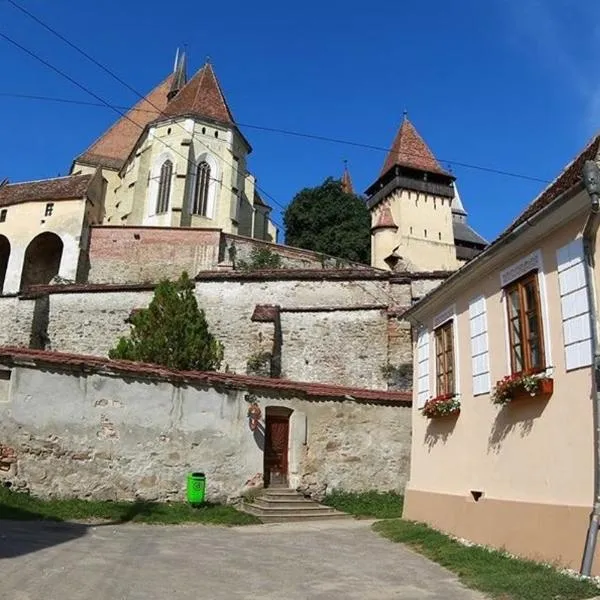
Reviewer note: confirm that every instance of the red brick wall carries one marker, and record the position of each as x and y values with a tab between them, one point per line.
139	254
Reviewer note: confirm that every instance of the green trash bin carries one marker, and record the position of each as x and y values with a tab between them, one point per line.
196	488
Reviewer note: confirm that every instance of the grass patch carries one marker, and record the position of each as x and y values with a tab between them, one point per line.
377	505
493	573
23	507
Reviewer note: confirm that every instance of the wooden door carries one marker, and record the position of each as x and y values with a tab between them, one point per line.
277	429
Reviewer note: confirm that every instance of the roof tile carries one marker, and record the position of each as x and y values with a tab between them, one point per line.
60	188
410	150
113	147
12	355
201	95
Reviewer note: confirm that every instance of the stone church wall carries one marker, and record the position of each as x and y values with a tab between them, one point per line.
106	432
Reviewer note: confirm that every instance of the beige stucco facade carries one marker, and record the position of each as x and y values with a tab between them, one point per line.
131	193
68	219
423	238
518	476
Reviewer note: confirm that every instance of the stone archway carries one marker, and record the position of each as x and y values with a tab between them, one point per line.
42	260
4	256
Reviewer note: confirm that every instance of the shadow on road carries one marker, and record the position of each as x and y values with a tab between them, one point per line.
23	531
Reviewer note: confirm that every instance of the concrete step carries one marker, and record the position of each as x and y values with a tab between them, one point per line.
285	515
268	502
279	505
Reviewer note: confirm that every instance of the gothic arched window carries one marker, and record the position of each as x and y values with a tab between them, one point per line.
200	199
164	187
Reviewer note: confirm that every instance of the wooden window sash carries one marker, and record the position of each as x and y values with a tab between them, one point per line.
444	351
525	336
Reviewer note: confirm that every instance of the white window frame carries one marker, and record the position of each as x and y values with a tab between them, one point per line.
568	258
423	363
484	335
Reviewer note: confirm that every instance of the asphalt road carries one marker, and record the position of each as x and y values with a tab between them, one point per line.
326	561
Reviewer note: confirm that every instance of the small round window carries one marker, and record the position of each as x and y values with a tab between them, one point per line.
216	134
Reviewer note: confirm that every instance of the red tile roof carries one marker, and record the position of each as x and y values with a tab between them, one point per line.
569	176
59	188
113	147
201	95
386	219
78	362
410	150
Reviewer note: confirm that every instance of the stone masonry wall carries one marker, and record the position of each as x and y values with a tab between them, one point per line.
335	346
347	347
148	254
99	435
16	321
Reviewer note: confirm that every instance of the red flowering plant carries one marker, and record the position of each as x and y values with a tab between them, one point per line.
527	381
441	406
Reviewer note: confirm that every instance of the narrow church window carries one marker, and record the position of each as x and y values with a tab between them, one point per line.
216	134
425	232
49	209
169	131
200	200
164	187
411	229
439	235
204	130
3	215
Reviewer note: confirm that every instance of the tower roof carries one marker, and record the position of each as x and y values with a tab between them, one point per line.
385	219
347	186
201	95
410	150
112	148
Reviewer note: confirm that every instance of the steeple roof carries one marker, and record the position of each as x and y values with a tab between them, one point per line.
347	186
410	150
202	96
114	146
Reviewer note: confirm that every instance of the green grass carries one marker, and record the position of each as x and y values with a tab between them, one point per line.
23	507
493	573
377	505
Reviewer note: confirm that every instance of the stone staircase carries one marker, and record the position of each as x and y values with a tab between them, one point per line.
281	505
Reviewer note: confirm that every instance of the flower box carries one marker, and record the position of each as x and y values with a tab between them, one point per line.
545	389
521	386
447	405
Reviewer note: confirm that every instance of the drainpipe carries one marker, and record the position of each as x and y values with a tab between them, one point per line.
591	179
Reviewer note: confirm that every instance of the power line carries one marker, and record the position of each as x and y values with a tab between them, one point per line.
99	98
119	79
296	134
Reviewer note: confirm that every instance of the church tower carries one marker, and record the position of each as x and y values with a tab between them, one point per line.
178	159
410	206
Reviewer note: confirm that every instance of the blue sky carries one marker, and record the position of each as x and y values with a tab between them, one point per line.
511	85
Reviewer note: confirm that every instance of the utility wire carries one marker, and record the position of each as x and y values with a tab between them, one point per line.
296	134
99	98
119	79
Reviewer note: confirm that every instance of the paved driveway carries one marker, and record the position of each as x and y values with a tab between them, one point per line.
338	560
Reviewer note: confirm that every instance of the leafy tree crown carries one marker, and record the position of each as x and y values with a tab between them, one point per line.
327	219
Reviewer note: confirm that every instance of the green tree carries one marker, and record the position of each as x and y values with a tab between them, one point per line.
172	331
326	219
260	258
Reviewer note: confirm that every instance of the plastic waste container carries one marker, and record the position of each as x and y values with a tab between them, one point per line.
196	488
